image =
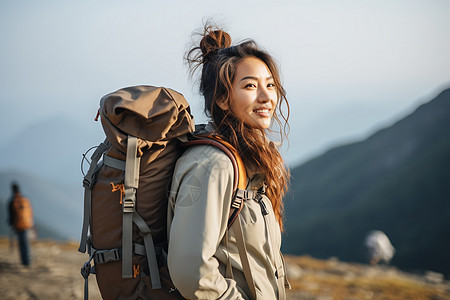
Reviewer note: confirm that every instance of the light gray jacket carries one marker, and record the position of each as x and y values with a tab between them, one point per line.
199	206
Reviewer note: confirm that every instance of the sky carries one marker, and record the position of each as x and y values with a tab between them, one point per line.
350	67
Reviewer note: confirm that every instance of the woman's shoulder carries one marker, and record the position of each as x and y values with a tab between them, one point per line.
205	156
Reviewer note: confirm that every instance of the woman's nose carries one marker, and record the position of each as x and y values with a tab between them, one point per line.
264	95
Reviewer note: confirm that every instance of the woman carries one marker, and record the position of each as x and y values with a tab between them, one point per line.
243	96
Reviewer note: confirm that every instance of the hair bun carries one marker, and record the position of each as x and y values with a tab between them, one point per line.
213	41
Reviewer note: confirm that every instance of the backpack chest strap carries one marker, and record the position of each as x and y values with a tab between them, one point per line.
238	203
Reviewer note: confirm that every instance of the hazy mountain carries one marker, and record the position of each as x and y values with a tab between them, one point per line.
57	208
51	148
397	180
45	160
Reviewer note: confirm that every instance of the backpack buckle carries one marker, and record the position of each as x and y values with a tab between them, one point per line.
238	198
243	195
86	269
104	256
128	205
87	184
240	194
129	201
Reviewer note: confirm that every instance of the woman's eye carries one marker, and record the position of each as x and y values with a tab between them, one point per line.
250	85
271	85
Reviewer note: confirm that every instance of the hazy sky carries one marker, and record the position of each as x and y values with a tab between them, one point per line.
350	67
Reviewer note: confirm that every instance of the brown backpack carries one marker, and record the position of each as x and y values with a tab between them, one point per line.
126	191
23	213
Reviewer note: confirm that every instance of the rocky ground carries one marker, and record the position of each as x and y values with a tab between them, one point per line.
314	279
55	274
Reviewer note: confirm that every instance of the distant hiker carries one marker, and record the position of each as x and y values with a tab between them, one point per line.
379	248
21	220
243	97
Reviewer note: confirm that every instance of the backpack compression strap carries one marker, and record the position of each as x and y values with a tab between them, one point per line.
130	216
88	183
131	182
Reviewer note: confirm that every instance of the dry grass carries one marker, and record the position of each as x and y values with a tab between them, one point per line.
53	274
334	280
57	265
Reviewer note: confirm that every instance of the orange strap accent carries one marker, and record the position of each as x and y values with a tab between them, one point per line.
242	183
118	187
136	271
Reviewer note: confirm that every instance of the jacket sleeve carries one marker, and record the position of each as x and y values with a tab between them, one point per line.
201	191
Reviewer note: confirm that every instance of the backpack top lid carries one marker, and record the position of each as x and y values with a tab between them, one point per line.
155	115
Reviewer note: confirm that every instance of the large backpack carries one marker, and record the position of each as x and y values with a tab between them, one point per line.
23	213
126	191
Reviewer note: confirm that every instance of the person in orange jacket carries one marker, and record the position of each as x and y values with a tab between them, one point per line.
21	221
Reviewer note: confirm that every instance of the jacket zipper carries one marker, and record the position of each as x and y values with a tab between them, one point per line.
258	198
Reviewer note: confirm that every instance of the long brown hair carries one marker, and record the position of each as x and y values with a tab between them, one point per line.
218	60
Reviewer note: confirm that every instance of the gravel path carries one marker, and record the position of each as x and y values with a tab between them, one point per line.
53	274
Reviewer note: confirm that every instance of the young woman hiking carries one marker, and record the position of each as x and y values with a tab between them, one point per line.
243	97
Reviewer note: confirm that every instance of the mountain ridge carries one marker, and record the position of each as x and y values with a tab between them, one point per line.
377	183
51	148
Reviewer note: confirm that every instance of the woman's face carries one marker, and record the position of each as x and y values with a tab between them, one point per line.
253	93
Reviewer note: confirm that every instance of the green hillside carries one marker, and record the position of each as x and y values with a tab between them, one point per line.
397	181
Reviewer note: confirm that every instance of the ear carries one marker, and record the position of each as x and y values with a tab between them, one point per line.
223	105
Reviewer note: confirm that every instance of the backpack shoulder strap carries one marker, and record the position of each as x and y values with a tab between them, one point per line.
238	164
240	174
